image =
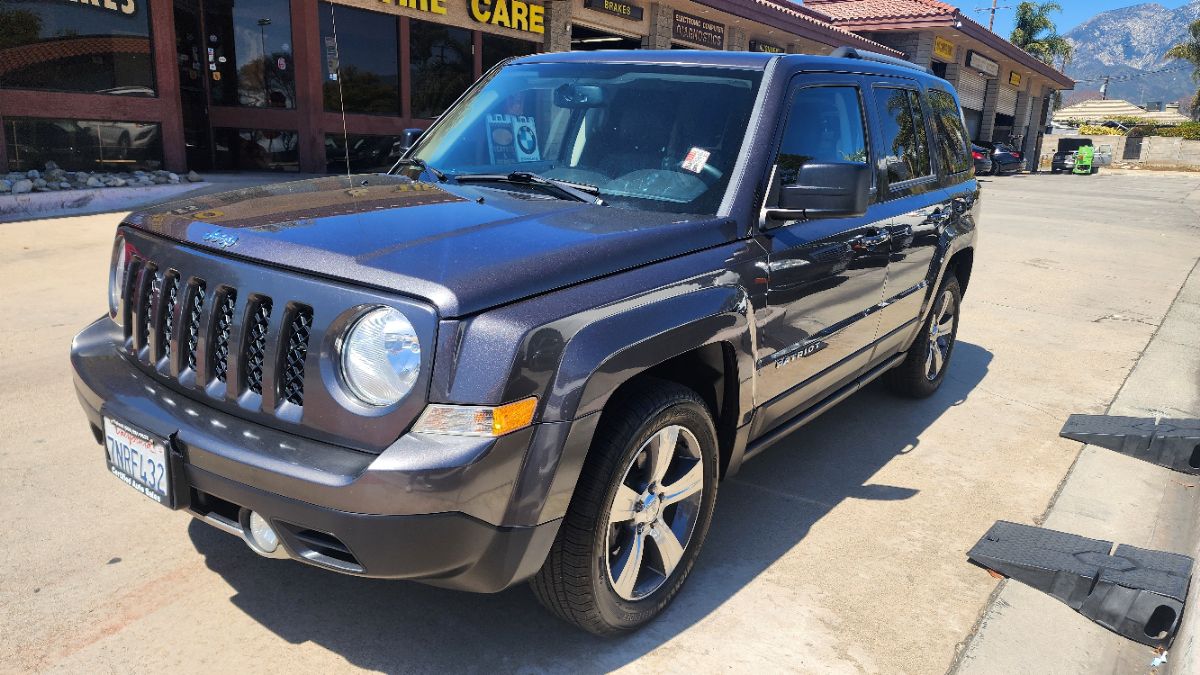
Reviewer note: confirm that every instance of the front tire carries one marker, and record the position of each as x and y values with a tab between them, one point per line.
640	513
922	372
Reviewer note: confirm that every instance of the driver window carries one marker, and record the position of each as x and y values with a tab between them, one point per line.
824	124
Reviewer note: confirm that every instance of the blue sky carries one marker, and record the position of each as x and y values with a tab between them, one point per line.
1074	12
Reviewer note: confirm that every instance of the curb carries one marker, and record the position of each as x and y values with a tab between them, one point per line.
34	205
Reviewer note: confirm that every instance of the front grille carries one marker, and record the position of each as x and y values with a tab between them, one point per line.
256	345
293	359
149	292
221	333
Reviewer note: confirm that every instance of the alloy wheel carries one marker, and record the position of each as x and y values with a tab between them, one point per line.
654	512
941	335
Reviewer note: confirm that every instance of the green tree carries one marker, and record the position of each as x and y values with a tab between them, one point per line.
1190	51
1036	33
19	27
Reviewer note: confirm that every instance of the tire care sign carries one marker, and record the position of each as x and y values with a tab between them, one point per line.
512	139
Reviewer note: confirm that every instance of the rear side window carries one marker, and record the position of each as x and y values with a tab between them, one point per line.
905	149
951	136
825	124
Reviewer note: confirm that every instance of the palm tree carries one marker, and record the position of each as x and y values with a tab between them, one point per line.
1036	33
1190	51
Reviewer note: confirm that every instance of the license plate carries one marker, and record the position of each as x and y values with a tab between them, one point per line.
138	459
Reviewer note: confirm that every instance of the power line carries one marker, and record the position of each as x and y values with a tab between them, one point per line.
993	9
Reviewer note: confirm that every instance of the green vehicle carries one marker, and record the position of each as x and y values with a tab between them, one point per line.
1085	157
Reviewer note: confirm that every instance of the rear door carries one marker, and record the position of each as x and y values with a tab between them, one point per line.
914	202
825	277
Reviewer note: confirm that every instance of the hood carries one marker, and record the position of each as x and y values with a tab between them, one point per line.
462	248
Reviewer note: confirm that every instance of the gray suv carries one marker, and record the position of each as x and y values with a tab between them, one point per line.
531	351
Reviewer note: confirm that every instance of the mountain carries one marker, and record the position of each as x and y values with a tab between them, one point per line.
1125	44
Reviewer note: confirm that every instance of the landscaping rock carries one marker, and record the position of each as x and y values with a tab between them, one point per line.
55	175
65	185
5	186
52	166
39	183
22	186
161	180
33	173
193	177
94	182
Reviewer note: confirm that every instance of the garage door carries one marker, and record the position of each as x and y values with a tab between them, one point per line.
1006	102
974	119
972	87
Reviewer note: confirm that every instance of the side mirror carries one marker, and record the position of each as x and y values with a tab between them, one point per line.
409	138
825	190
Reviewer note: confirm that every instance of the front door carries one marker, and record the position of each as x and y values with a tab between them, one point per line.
194	71
825	277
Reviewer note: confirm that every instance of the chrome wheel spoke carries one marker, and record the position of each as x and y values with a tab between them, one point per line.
938	359
670	550
624	505
946	325
929	372
626	570
662	451
688	484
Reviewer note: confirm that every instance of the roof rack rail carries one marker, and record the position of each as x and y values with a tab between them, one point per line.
852	53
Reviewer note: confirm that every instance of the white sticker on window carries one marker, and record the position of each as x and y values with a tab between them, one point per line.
696	160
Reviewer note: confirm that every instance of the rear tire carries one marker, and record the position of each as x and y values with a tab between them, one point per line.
923	370
656	446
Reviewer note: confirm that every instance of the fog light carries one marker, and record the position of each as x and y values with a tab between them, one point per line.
262	534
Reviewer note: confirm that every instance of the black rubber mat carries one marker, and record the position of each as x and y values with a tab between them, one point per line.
1174	444
1138	593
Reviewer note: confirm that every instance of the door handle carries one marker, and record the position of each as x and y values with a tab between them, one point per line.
873	241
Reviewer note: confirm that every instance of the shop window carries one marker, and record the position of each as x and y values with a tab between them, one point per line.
361	61
64	46
496	48
81	145
369	154
248	47
905	151
441	66
257	149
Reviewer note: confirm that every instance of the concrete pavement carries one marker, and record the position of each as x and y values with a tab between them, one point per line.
840	550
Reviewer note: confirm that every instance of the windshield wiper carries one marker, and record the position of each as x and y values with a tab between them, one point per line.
580	192
424	166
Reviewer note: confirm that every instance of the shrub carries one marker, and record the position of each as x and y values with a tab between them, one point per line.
1096	130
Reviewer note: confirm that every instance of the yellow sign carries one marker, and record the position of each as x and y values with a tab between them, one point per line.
1014	79
431	6
124	6
943	49
515	14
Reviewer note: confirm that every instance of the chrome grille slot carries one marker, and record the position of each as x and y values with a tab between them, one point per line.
192	327
170	293
298	329
255	350
222	326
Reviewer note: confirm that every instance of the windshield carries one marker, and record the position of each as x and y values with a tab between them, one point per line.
661	138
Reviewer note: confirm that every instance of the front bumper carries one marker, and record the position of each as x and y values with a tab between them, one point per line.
428	508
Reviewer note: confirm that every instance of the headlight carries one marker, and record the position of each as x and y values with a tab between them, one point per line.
116	277
380	357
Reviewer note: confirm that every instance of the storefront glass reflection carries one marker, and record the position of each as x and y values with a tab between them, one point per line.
82	145
248	52
64	46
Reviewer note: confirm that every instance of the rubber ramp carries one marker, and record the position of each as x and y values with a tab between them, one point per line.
1135	592
1174	444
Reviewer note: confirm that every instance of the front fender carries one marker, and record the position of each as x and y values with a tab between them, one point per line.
605	354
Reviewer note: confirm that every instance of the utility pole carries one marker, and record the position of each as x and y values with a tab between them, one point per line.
992	10
1104	88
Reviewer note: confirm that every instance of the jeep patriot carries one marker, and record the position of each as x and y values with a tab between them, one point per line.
596	286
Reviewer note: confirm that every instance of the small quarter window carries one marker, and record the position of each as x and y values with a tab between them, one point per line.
905	151
825	124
